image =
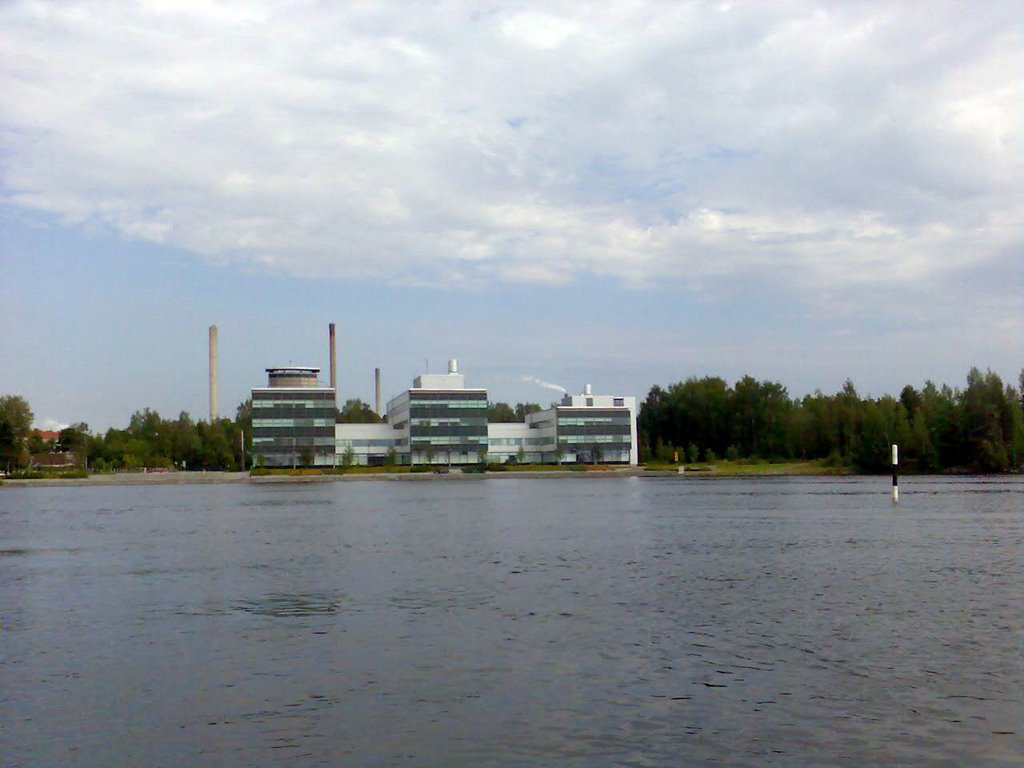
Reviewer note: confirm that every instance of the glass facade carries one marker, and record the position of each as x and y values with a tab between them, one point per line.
447	427
293	427
595	434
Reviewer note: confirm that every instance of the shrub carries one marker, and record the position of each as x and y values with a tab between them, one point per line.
834	460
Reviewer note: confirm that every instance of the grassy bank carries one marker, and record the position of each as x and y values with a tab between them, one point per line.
746	468
428	469
36	474
326	471
719	469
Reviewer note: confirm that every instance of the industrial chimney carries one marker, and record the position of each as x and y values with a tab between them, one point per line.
334	360
213	373
376	390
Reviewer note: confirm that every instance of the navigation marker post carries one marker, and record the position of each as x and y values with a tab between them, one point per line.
895	479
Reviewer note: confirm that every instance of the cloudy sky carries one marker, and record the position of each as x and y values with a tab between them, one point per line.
624	196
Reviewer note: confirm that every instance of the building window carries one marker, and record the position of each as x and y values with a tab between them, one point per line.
590	402
619	402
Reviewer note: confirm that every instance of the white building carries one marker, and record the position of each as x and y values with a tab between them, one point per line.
583	428
441	421
293	419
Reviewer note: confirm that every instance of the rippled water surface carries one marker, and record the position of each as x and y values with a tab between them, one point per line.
580	622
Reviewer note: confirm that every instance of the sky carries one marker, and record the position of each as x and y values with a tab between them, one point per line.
623	195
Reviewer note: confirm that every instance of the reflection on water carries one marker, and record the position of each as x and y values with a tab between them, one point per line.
514	622
278	604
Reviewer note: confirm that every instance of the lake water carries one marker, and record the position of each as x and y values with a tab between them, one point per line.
514	622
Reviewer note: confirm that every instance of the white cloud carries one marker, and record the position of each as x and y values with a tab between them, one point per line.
442	144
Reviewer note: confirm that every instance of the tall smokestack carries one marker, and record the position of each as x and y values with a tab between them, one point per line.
376	389
334	361
213	373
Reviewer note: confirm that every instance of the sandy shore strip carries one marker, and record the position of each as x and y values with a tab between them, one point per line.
134	478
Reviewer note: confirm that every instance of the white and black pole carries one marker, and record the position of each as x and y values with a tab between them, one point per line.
895	478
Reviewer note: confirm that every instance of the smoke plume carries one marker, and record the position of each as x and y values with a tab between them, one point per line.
545	384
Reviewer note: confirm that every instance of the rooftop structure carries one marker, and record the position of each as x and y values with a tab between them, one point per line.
293	376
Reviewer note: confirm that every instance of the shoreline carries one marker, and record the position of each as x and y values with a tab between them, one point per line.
225	478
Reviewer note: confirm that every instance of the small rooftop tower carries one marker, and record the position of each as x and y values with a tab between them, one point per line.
451	380
292	376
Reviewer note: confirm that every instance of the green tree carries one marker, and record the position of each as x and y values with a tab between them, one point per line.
696	410
138	453
760	413
522	410
920	447
747	414
1014	428
15	409
218	445
35	444
110	449
243	413
348	457
911	400
355	411
16	413
847	410
243	422
986	422
8	445
888	426
500	413
940	409
186	446
76	439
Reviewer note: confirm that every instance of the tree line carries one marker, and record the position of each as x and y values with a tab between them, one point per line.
938	428
148	441
504	413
